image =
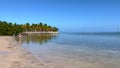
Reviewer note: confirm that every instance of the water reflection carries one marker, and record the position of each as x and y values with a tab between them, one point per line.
38	38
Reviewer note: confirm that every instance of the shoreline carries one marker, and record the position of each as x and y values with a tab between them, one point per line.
13	56
41	32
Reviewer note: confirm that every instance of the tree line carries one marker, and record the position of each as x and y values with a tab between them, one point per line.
8	28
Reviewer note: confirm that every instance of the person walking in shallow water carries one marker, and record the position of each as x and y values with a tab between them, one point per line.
20	36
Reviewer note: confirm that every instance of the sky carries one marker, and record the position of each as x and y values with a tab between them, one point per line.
67	15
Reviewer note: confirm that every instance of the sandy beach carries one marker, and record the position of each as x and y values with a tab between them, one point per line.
12	56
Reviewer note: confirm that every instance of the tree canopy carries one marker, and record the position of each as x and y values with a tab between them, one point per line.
8	28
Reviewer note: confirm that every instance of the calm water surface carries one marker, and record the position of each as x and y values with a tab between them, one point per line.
75	50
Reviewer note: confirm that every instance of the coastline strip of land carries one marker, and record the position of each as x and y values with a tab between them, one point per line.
41	32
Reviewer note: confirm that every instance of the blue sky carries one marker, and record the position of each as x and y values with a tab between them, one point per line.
67	15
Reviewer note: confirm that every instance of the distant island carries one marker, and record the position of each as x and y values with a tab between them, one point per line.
8	28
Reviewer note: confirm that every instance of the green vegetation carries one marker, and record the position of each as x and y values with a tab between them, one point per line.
7	28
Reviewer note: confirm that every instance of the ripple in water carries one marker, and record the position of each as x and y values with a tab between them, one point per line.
75	51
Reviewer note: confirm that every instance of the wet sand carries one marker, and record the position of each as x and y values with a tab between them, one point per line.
12	56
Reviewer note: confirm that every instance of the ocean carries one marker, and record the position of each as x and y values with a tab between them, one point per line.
75	50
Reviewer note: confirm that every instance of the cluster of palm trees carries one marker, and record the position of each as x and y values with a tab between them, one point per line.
39	27
8	28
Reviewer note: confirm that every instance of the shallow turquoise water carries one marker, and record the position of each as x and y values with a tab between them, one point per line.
75	50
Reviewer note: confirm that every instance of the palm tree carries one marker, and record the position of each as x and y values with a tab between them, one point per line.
27	26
